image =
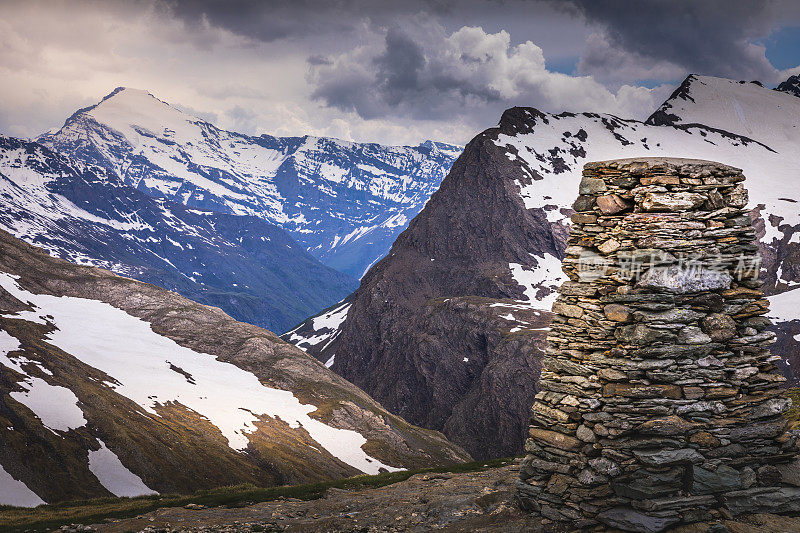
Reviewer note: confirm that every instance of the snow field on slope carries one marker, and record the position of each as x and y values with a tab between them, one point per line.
57	407
743	108
127	349
17	493
112	474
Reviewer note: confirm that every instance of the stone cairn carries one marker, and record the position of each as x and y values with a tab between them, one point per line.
659	401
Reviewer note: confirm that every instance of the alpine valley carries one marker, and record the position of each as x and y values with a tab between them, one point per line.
449	329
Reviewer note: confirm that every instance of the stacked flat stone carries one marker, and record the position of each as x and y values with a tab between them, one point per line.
659	400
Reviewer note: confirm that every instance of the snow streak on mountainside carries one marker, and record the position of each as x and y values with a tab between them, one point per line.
485	239
344	202
112	386
251	269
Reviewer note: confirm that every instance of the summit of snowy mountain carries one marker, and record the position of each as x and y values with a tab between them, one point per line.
345	202
791	86
745	109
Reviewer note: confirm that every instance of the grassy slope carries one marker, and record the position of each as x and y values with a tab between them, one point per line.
92	511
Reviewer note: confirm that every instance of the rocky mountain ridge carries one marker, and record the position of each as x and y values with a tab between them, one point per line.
791	85
486	251
246	266
110	386
345	202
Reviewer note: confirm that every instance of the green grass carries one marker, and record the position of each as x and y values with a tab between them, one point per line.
47	517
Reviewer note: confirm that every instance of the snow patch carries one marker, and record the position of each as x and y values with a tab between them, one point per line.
541	282
56	406
784	307
112	474
17	493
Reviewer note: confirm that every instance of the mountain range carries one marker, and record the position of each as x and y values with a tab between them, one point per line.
344	202
248	267
134	185
111	386
448	330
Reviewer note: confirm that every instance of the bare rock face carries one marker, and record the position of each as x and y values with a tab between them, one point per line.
659	401
428	333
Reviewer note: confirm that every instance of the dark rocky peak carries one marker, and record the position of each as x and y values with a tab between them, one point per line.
662	117
791	86
517	120
428	330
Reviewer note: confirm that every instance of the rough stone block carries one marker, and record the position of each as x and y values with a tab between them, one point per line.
628	519
684	280
612	204
678	201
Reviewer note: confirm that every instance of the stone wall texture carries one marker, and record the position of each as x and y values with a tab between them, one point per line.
659	401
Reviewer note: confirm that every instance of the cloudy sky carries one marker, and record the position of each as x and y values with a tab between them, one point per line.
394	72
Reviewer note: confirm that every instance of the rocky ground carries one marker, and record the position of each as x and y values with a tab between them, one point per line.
477	501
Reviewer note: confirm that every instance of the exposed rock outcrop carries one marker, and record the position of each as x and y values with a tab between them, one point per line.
426	333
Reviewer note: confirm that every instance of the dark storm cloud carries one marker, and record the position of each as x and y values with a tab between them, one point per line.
265	20
650	37
279	19
399	67
319	59
426	76
713	37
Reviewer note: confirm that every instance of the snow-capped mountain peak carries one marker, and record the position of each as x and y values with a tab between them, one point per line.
746	109
136	113
345	202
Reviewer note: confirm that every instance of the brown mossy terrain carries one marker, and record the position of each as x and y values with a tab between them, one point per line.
47	517
475	497
179	451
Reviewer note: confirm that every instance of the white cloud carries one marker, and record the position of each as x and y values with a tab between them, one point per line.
419	74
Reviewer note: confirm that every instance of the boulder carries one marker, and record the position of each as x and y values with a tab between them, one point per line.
611	204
